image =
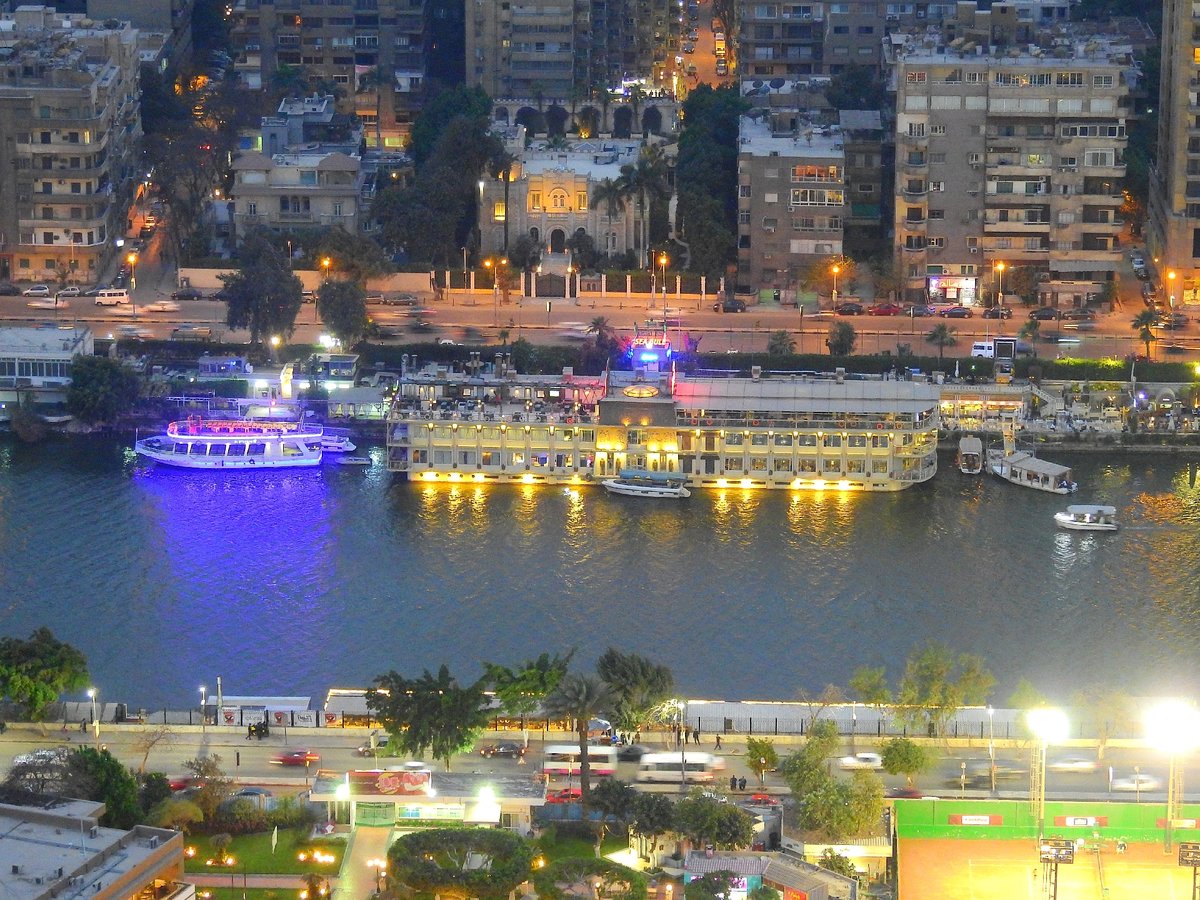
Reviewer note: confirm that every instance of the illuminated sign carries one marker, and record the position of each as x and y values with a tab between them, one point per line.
1080	821
976	820
407	782
1189	853
1057	850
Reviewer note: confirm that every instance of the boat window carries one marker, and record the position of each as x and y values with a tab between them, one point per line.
257	450
179	448
807	440
879	466
197	449
758	464
758	439
314	446
855	465
290	449
783	440
879	441
833	440
831	465
783	464
216	450
237	450
733	465
733	439
808	465
857	440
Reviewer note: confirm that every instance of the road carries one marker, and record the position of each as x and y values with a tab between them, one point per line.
250	761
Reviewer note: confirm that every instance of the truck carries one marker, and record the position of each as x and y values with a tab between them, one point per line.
719	43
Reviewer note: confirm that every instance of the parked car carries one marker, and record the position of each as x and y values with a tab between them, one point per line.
861	761
956	312
1078	314
1045	314
187	293
505	748
1143	274
998	312
37	290
297	757
71	290
566	795
1138	261
921	311
8	289
631	752
733	304
849	309
722	67
402	299
885	309
382	739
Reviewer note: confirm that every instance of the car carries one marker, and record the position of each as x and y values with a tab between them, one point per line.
8	289
1075	764
1081	326
163	306
423	327
184	782
849	309
885	309
689	47
693	35
146	231
1142	274
761	800
566	795
1045	314
861	761
1078	314
296	757
256	795
1137	782
631	752
998	312
447	342
904	793
691	70
71	290
92	292
1149	290
722	67
505	748
134	333
402	299
37	290
1173	321
956	312
730	305
382	739
187	293
920	311
1138	262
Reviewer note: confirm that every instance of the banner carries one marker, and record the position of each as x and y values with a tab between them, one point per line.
306	718
229	715
252	716
333	720
976	820
409	781
279	718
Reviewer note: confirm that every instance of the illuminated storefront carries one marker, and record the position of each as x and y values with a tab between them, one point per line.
960	289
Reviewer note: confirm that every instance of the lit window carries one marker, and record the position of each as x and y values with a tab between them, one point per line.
498	211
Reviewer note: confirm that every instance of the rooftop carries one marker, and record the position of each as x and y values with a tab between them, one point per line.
809	141
595	158
1064	43
69	339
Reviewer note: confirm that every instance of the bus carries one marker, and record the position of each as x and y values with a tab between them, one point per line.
563	759
699	767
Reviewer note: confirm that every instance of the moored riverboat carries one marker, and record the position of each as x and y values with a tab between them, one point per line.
197	443
643	483
1087	518
970	455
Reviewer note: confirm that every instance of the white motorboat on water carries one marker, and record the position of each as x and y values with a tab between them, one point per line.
234	444
352	460
1088	518
970	455
644	483
337	443
1023	468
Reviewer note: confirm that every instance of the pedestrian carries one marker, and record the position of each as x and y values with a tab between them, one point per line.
687	735
733	782
742	783
718	747
696	736
637	737
83	726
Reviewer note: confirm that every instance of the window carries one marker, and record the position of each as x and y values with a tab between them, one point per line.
1069	79
498	211
535	200
936	243
1099	157
770	198
816	197
937	158
937	186
937	129
581	201
937	214
251	208
915	77
337	208
744	190
1102	81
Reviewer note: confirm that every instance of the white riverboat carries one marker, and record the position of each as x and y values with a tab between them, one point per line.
1088	518
337	443
970	455
1023	468
234	444
643	483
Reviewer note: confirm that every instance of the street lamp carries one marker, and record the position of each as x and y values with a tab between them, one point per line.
95	721
662	268
682	707
992	741
836	269
1000	267
326	262
380	867
1173	726
1049	726
275	342
203	705
132	259
1171	288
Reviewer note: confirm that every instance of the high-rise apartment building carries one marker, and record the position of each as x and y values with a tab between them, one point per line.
1010	154
375	50
69	125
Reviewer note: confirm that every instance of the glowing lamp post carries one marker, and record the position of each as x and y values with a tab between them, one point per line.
1000	267
1174	727
1171	289
380	868
681	705
275	342
132	259
203	707
1049	726
326	262
662	268
95	719
836	269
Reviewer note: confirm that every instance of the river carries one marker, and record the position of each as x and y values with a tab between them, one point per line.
290	582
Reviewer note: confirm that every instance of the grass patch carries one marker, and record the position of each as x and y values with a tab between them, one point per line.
555	846
253	853
249	894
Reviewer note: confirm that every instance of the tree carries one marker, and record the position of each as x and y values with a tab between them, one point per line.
830	695
712	886
638	686
264	295
1026	696
761	756
806	768
870	684
614	800
432	712
521	691
435	117
175	813
315	885
1030	330
342	305
706	820
150	739
902	756
523	355
34	672
183	157
941	336
153	789
572	877
843	809
835	862
1111	711
1144	323
841	340
610	194
653	815
762	892
355	257
781	343
461	863
580	697
646	180
99	776
212	785
374	80
819	275
936	683
501	166
101	389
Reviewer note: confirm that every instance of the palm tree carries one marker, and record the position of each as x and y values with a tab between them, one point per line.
1143	323
605	96
580	697
780	343
501	165
942	336
1031	330
646	181
611	194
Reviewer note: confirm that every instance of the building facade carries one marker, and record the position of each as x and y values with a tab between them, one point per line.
295	190
69	110
1010	154
791	197
374	51
36	362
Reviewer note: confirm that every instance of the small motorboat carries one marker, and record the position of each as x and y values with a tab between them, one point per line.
337	443
644	483
1087	518
970	455
352	460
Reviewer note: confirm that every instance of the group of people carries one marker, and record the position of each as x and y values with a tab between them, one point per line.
737	784
683	735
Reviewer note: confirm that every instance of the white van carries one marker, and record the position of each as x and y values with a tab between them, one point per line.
983	350
112	297
697	768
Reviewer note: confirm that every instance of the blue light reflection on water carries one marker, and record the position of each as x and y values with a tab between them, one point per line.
293	581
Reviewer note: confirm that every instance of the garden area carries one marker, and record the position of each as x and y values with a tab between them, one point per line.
294	854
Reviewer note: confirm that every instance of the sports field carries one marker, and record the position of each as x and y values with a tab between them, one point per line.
948	869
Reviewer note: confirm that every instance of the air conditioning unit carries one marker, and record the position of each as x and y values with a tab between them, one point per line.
973	249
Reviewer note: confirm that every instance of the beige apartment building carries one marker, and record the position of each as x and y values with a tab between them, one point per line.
295	190
1173	224
1010	154
374	50
69	113
791	198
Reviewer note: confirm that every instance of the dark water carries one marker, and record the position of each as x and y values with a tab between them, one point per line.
292	582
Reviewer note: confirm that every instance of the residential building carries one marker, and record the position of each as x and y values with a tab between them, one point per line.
550	197
869	163
1010	154
295	190
69	108
57	850
791	197
1173	223
375	51
36	362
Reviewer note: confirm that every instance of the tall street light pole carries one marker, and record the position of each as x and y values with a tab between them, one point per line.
662	268
682	704
992	745
1173	726
203	706
95	721
1049	726
1000	267
836	270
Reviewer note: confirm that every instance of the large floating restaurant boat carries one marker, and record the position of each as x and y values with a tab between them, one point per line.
197	443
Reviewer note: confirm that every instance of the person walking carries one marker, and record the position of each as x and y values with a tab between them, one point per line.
733	782
718	747
696	736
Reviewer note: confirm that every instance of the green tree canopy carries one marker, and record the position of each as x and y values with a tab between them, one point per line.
835	862
101	389
841	339
616	801
521	690
781	343
653	816
706	820
353	256
902	756
871	686
579	697
176	813
1026	696
937	682
34	672
264	295
761	756
638	686
566	879
856	87
1144	324
461	863
711	886
843	809
342	306
212	785
942	336
99	776
430	713
435	117
806	768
